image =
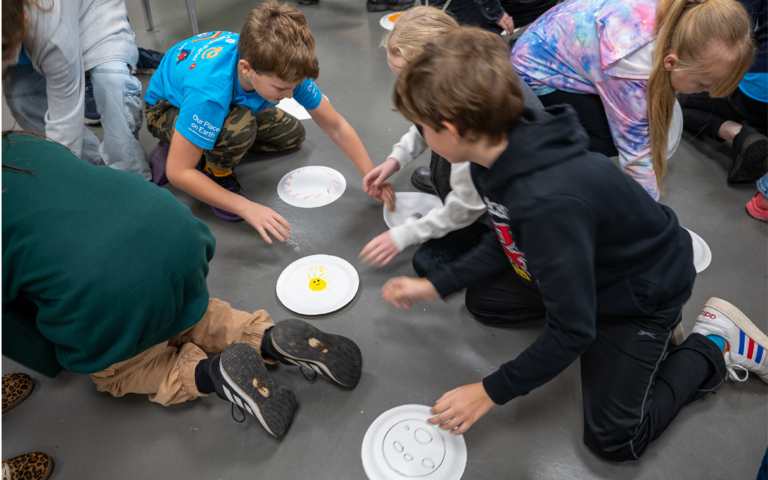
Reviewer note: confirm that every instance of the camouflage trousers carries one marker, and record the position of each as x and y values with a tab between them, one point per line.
272	130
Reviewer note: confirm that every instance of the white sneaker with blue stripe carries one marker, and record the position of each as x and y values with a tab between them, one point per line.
747	345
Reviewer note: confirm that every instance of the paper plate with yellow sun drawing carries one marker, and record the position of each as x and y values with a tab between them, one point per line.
311	187
388	20
317	285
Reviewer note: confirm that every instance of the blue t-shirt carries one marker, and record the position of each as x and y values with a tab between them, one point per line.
755	86
199	77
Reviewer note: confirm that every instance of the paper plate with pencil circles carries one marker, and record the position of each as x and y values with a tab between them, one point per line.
317	285
311	187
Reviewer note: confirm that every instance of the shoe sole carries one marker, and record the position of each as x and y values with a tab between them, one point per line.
240	365
381	8
751	165
333	356
739	319
91	122
21	397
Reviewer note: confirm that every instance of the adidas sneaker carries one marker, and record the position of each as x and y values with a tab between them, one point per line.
747	345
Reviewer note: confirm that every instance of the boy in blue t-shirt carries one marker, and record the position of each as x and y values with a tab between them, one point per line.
216	93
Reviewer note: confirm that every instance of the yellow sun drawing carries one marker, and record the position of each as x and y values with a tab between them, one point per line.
318	282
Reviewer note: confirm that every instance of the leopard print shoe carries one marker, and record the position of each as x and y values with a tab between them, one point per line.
32	466
16	387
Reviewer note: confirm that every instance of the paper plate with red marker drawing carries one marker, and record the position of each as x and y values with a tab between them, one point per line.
311	187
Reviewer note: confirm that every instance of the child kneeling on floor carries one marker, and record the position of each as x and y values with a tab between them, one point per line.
216	94
92	283
608	267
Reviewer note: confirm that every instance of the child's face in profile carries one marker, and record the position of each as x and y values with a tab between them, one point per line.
444	143
270	88
396	63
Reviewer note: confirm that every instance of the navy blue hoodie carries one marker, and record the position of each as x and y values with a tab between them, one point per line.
580	231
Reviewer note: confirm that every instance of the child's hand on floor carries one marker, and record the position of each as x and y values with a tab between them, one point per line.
264	220
403	291
376	177
461	407
379	251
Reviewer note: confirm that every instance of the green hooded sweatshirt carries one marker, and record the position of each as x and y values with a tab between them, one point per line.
98	264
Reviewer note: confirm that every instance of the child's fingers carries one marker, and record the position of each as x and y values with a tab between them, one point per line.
272	230
264	235
438	409
463	428
280	219
279	228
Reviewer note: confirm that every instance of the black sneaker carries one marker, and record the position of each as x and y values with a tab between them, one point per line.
299	343
750	155
381	5
420	179
148	62
240	377
91	116
307	2
228	182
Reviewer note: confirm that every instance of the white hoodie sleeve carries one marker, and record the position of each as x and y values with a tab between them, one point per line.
462	207
410	146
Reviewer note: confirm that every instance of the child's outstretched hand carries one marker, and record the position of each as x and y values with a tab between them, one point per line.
403	291
386	195
379	251
461	407
376	177
264	220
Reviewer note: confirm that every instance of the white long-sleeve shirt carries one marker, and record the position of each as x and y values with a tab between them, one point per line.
462	206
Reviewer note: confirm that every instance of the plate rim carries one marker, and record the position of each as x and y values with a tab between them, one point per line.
345	265
387	213
342	188
370	433
708	257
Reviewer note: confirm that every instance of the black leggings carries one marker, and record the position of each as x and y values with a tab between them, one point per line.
592	116
523	12
631	393
704	114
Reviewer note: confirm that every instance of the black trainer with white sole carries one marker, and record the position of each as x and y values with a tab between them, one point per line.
333	356
240	377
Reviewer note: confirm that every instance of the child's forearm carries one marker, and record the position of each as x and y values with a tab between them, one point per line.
345	137
206	190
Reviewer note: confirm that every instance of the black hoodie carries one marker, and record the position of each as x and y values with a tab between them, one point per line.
580	231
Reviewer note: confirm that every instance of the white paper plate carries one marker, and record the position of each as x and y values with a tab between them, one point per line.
409	203
401	444
702	255
317	285
310	187
388	20
292	107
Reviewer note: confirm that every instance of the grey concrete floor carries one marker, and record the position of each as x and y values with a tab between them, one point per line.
409	356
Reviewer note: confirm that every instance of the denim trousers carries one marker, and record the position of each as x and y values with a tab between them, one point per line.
762	185
118	101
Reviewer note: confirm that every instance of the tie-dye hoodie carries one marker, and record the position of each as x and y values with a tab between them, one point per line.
575	48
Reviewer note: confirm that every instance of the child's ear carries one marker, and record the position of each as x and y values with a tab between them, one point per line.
454	130
244	66
670	62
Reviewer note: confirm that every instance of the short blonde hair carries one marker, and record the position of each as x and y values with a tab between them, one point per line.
466	80
276	40
416	28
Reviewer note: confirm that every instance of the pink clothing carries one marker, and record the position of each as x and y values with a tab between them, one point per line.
577	47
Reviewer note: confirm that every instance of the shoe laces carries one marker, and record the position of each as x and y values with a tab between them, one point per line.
732	372
241	411
310	380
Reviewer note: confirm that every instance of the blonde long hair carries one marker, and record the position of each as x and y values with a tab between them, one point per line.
415	29
689	29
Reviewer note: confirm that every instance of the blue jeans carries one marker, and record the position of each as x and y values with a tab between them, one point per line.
118	100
